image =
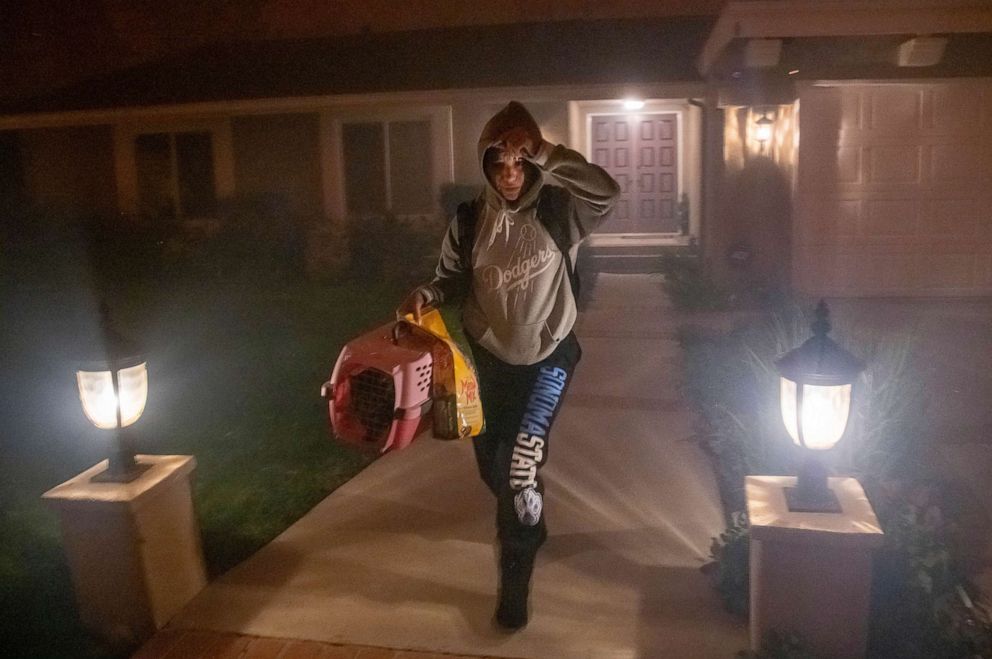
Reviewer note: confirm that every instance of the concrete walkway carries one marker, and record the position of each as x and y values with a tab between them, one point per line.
402	555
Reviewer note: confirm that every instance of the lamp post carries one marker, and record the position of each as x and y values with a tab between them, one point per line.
129	530
816	382
810	561
113	389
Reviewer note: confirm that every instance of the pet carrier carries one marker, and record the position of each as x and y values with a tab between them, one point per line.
385	382
380	390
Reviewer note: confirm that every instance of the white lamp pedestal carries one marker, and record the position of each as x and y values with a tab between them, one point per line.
811	572
133	548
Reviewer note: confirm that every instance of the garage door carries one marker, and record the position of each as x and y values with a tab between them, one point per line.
894	190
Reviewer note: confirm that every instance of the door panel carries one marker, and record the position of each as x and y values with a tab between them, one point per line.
648	182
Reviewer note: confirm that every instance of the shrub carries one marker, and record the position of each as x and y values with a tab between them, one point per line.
256	236
920	600
394	249
689	287
730	569
780	646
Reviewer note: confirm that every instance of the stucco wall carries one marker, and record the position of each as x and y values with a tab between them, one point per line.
277	157
748	244
70	169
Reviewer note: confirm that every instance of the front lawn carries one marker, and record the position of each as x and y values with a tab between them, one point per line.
235	363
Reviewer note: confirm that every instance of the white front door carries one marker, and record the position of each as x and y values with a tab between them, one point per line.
640	151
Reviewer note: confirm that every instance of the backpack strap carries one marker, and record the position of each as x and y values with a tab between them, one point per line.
468	215
552	213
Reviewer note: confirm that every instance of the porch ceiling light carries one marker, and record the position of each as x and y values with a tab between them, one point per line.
113	389
816	383
633	104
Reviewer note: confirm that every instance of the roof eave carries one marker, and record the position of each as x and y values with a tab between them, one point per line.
764	19
277	105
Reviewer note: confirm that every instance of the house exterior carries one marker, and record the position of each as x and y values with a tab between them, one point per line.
334	131
873	177
882	135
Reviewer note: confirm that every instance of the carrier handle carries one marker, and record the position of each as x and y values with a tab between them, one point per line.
404	321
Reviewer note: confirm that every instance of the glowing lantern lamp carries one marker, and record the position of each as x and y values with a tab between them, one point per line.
113	389
816	383
763	130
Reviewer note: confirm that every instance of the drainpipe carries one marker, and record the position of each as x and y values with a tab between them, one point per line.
709	185
703	145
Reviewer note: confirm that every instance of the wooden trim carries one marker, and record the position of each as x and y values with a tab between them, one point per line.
332	174
223	150
125	171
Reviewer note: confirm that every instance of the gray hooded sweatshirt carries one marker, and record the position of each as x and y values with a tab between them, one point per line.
519	303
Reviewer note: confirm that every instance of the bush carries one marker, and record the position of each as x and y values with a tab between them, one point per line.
252	238
920	601
780	646
258	236
690	288
385	247
730	569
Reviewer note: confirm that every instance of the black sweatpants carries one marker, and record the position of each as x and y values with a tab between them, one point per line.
520	404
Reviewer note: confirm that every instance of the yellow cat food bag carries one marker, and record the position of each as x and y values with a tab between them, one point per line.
457	408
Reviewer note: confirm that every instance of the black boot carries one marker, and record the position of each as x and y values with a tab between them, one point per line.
515	572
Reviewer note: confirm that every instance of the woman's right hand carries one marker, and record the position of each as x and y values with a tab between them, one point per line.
413	304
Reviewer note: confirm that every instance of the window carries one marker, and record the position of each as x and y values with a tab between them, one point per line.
388	167
176	174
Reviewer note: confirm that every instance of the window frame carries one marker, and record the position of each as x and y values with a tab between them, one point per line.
176	172
332	151
126	164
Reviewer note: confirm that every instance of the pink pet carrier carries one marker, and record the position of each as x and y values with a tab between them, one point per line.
379	394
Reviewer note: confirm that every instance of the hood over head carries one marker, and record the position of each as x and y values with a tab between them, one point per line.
514	115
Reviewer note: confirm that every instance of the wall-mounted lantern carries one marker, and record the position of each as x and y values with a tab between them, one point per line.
816	383
113	389
763	129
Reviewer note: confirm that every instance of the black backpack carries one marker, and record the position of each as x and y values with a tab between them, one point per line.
552	213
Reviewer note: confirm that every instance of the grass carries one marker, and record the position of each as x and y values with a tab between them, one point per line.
235	366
